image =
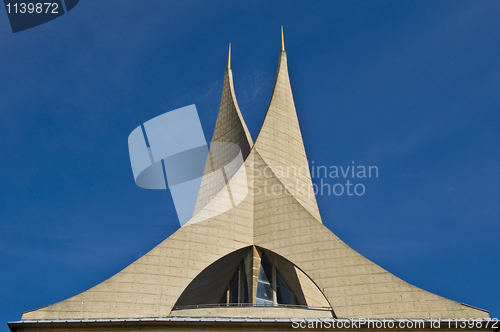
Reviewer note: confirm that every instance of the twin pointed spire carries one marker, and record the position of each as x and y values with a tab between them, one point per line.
280	144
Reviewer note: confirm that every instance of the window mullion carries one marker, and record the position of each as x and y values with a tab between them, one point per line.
240	285
273	285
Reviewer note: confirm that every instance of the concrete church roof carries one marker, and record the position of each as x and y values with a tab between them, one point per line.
285	224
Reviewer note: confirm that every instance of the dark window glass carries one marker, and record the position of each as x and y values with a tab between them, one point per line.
224	298
234	289
245	285
266	270
264	286
265	276
283	294
280	281
264	291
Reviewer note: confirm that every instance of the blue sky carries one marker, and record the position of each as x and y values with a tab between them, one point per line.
409	86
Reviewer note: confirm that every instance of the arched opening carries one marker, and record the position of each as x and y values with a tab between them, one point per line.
252	276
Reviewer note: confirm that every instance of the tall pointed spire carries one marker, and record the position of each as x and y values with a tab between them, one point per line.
280	141
229	128
282	40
